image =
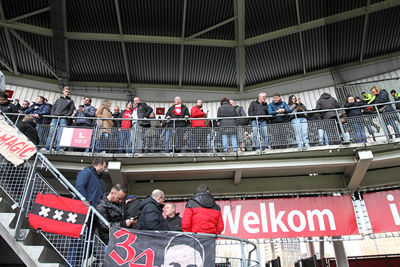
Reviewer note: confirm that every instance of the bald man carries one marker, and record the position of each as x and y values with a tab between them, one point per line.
151	208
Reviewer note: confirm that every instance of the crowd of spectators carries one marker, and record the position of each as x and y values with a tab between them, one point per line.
237	130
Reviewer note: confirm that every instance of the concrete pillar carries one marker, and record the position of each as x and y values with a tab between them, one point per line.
340	254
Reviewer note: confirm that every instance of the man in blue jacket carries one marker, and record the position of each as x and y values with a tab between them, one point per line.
83	112
88	181
277	107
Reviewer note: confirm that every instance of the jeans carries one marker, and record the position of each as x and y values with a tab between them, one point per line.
53	127
262	126
125	141
225	142
389	119
300	127
360	133
322	136
101	144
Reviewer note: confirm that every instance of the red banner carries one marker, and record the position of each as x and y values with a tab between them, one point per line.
160	111
287	217
76	137
383	210
58	215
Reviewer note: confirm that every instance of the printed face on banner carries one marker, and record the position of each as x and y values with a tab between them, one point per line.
383	210
287	217
129	247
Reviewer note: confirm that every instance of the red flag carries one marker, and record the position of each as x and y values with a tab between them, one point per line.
58	215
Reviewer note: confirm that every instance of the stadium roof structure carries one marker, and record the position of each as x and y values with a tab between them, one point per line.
220	46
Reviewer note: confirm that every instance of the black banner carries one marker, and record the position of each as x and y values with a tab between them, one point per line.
134	248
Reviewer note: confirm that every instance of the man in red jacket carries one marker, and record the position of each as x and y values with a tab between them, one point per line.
202	214
199	133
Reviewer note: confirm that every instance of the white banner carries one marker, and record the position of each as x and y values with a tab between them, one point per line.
14	146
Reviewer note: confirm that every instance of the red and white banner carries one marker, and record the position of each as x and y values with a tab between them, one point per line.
76	137
383	210
287	217
14	146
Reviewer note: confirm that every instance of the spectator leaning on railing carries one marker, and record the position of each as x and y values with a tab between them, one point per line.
259	107
396	97
64	106
7	107
299	121
326	101
105	125
85	110
278	107
357	124
177	111
228	125
141	112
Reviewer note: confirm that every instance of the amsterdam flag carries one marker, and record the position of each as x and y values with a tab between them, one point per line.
58	215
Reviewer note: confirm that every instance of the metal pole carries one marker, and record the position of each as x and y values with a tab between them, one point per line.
243	263
24	200
54	133
340	254
382	123
259	134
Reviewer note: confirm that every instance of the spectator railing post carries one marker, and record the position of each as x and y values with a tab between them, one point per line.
382	123
298	132
243	254
134	137
26	197
212	137
173	135
89	240
340	125
94	137
258	134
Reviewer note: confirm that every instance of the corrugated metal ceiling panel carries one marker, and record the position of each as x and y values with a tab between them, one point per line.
152	17
96	61
316	9
26	62
344	40
316	52
153	63
4	52
267	16
98	16
209	66
16	8
273	60
383	34
204	14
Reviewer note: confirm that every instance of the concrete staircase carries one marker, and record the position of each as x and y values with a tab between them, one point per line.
34	250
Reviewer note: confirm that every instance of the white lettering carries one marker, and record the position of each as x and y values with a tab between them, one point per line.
393	209
227	217
320	216
276	220
247	222
264	221
302	219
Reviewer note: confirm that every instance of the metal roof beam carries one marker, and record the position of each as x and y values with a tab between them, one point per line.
239	8
3	62
9	43
33	52
323	21
364	36
30	14
182	46
123	46
357	175
303	60
23	27
210	28
147	39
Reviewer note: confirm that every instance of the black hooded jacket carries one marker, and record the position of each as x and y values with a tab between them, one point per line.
151	215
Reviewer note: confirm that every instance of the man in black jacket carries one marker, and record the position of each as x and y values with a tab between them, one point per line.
111	209
142	111
259	107
173	220
177	111
151	209
28	127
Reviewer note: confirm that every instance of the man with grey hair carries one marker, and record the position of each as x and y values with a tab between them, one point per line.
172	217
259	107
151	208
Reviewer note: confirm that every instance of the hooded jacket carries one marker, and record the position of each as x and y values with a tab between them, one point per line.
151	215
28	128
383	97
202	215
326	101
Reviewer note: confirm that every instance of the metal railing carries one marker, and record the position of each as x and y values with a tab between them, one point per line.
22	183
298	130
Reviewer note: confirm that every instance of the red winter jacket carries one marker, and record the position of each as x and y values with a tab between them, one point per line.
202	215
196	112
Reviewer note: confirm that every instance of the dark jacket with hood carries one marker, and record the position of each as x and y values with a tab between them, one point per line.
144	111
258	109
64	106
227	110
354	111
383	97
202	215
28	129
9	108
113	213
151	217
174	223
326	101
178	123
